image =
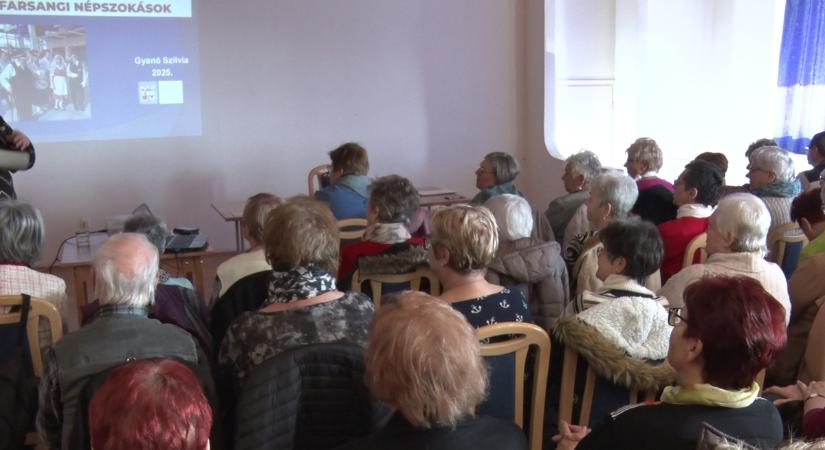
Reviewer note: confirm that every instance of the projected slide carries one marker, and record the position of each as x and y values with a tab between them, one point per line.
72	71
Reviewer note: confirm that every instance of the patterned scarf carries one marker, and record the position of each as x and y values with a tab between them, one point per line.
298	284
782	189
708	395
387	233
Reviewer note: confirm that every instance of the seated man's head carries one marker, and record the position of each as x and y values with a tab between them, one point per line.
770	165
496	168
348	159
632	248
643	156
701	182
816	149
808	212
254	216
21	232
150	404
126	270
579	170
464	239
612	196
393	199
739	224
301	232
513	216
424	360
150	226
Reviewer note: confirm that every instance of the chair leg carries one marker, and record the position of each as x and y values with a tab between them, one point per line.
568	386
587	397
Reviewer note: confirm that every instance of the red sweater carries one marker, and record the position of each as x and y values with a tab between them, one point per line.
351	253
676	235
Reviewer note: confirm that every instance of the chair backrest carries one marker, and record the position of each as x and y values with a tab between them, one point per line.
246	294
315	177
787	252
697	244
39	308
568	390
520	337
778	233
377	282
351	229
309	397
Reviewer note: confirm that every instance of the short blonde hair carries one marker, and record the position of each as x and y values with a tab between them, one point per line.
646	151
469	233
300	232
423	358
255	212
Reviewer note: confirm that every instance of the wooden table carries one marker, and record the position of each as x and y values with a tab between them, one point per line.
232	212
79	261
427	201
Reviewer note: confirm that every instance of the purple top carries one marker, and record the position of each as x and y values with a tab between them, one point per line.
648	183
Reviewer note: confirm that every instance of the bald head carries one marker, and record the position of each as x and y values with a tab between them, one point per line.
126	268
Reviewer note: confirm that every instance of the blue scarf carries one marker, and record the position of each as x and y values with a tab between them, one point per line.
503	188
783	189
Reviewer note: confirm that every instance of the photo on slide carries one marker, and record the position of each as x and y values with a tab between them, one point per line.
43	72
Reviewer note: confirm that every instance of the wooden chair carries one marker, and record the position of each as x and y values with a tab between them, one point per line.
785	249
351	229
697	244
526	335
315	176
790	229
39	308
568	389
378	281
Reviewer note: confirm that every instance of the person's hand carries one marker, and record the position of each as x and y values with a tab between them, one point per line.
790	393
569	435
20	140
816	387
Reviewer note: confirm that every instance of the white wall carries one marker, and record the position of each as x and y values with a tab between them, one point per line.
428	86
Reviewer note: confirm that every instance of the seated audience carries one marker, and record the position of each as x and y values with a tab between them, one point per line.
125	268
387	245
757	144
463	244
21	241
567	214
253	260
695	194
771	175
424	360
496	175
736	244
150	404
816	158
727	332
806	290
303	305
655	200
347	196
527	261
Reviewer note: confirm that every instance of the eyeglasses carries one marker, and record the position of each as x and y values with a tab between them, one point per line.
673	316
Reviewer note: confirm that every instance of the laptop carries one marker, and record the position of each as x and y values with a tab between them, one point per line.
176	243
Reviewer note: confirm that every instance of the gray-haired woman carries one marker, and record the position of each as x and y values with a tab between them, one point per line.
566	214
496	175
772	178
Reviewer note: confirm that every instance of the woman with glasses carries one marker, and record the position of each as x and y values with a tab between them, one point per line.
655	202
462	245
496	175
728	331
772	179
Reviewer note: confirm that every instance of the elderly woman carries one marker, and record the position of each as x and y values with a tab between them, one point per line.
150	404
463	243
347	196
737	230
655	202
695	194
567	214
772	178
727	332
303	305
21	240
805	289
525	260
612	194
387	246
424	360
496	175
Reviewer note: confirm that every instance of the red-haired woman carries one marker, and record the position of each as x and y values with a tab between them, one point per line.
150	404
728	331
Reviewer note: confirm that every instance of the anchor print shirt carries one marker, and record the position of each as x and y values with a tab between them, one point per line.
509	305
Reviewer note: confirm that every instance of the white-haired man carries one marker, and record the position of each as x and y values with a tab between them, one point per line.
126	268
737	232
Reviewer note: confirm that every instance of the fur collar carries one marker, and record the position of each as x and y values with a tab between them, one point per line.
400	258
611	362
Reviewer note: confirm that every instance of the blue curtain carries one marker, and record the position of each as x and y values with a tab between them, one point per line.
802	74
